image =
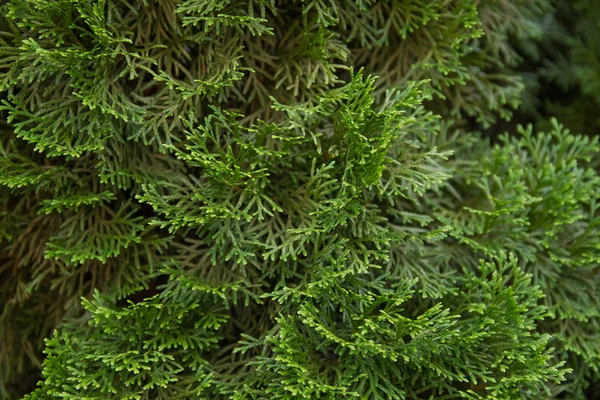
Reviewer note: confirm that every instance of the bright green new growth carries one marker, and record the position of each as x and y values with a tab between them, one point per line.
258	199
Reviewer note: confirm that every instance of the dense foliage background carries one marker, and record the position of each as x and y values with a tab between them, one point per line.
307	199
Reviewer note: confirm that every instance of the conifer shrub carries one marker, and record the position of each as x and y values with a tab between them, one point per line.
562	67
261	199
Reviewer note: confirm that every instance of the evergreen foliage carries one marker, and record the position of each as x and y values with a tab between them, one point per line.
562	68
261	199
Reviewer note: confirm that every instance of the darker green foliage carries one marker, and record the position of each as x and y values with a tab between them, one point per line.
261	199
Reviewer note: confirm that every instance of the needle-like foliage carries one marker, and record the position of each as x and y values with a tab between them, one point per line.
264	199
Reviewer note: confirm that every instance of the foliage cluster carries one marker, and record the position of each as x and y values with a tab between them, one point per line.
300	199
